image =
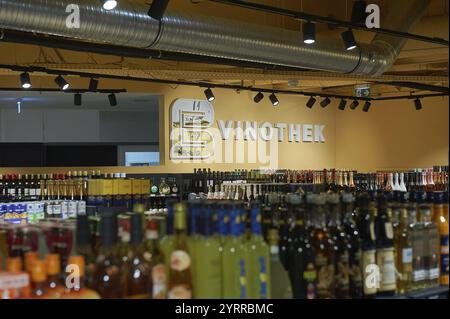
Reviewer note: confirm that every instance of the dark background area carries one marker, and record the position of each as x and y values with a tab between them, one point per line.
46	155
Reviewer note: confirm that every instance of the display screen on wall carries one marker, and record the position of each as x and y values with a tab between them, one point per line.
21	154
81	155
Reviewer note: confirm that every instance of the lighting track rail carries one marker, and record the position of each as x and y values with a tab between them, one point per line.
298	15
55	72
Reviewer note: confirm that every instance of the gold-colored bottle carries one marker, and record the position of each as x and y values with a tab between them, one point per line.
180	284
404	252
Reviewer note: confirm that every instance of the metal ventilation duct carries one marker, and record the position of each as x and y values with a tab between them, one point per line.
129	25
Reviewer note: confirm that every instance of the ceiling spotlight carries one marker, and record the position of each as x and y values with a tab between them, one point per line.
342	105
354	104
112	99
274	100
349	40
63	85
157	9
418	104
325	102
93	85
359	14
312	100
366	107
109	4
25	80
309	33
258	97
77	99
209	95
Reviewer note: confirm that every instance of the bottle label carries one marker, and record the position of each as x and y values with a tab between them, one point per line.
370	273
310	276
386	263
407	255
444	255
180	260
326	276
180	292
159	281
433	273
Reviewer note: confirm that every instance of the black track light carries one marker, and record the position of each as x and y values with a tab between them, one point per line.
354	104
112	99
209	95
25	81
274	100
109	4
157	9
93	85
367	106
312	100
258	97
418	104
325	102
342	105
359	14
309	33
349	40
63	85
77	99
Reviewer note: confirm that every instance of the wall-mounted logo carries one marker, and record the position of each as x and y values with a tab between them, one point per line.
190	138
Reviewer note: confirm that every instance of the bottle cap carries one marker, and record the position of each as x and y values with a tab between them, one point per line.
79	261
53	264
14	264
38	271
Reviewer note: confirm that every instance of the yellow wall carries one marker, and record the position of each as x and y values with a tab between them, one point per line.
394	135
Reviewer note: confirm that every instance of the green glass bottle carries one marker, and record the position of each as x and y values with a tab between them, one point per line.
234	259
280	283
166	243
180	279
208	264
258	258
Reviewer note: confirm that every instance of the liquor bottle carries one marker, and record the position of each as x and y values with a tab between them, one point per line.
83	247
234	260
440	219
258	269
136	270
167	241
341	247
354	241
76	281
107	279
157	259
302	269
385	247
38	280
164	188
367	212
280	283
323	251
180	279
431	246
417	233
404	252
208	279
54	288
